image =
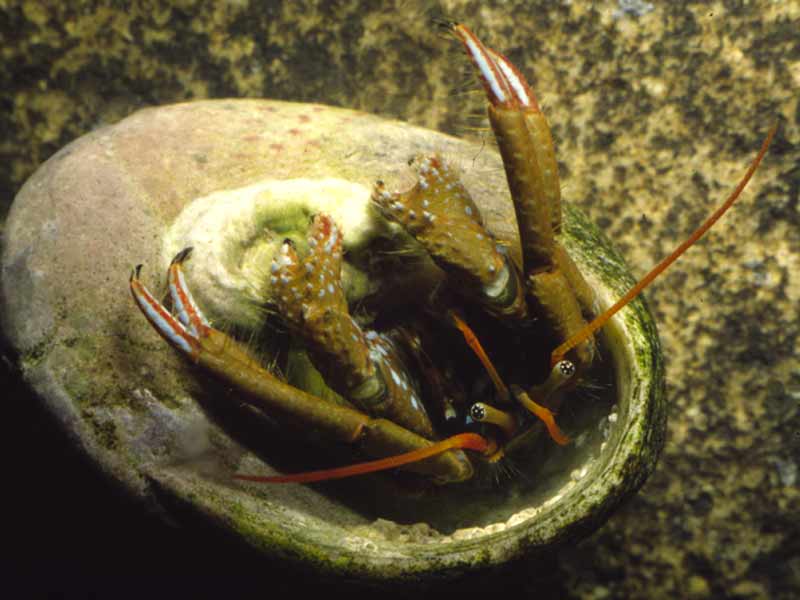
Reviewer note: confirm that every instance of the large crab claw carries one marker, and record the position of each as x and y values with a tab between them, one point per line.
189	332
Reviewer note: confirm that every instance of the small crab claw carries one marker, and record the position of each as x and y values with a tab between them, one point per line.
507	89
182	332
509	106
555	286
188	330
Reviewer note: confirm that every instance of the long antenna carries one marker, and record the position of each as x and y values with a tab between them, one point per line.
559	353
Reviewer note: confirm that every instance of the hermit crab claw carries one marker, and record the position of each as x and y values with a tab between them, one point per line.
440	214
362	366
185	331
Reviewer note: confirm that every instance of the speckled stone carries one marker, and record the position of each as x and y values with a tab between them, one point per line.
655	113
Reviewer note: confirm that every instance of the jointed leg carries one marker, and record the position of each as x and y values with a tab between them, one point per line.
555	285
361	366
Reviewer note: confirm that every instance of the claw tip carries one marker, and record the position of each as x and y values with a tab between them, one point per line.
183	255
135	272
443	23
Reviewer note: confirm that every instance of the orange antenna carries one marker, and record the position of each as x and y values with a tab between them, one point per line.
477	348
543	413
559	353
464	441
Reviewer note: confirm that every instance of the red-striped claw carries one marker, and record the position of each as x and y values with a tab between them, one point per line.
505	86
189	324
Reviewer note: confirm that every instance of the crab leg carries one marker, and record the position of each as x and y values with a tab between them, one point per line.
190	334
539	132
508	119
555	286
545	157
224	356
363	367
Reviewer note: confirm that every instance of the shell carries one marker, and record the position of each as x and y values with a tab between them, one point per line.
137	191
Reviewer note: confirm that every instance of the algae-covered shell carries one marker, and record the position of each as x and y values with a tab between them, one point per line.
134	192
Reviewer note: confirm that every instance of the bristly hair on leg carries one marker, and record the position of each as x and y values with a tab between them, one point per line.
495	474
593	390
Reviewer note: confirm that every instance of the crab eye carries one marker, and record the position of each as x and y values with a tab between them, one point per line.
477	412
566	368
485	413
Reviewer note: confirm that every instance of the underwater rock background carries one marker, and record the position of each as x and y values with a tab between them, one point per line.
656	109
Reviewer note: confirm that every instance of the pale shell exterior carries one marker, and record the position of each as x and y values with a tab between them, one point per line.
107	201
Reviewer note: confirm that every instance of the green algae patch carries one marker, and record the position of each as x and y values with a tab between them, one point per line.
105	431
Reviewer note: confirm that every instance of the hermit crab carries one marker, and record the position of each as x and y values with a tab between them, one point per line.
331	291
408	384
